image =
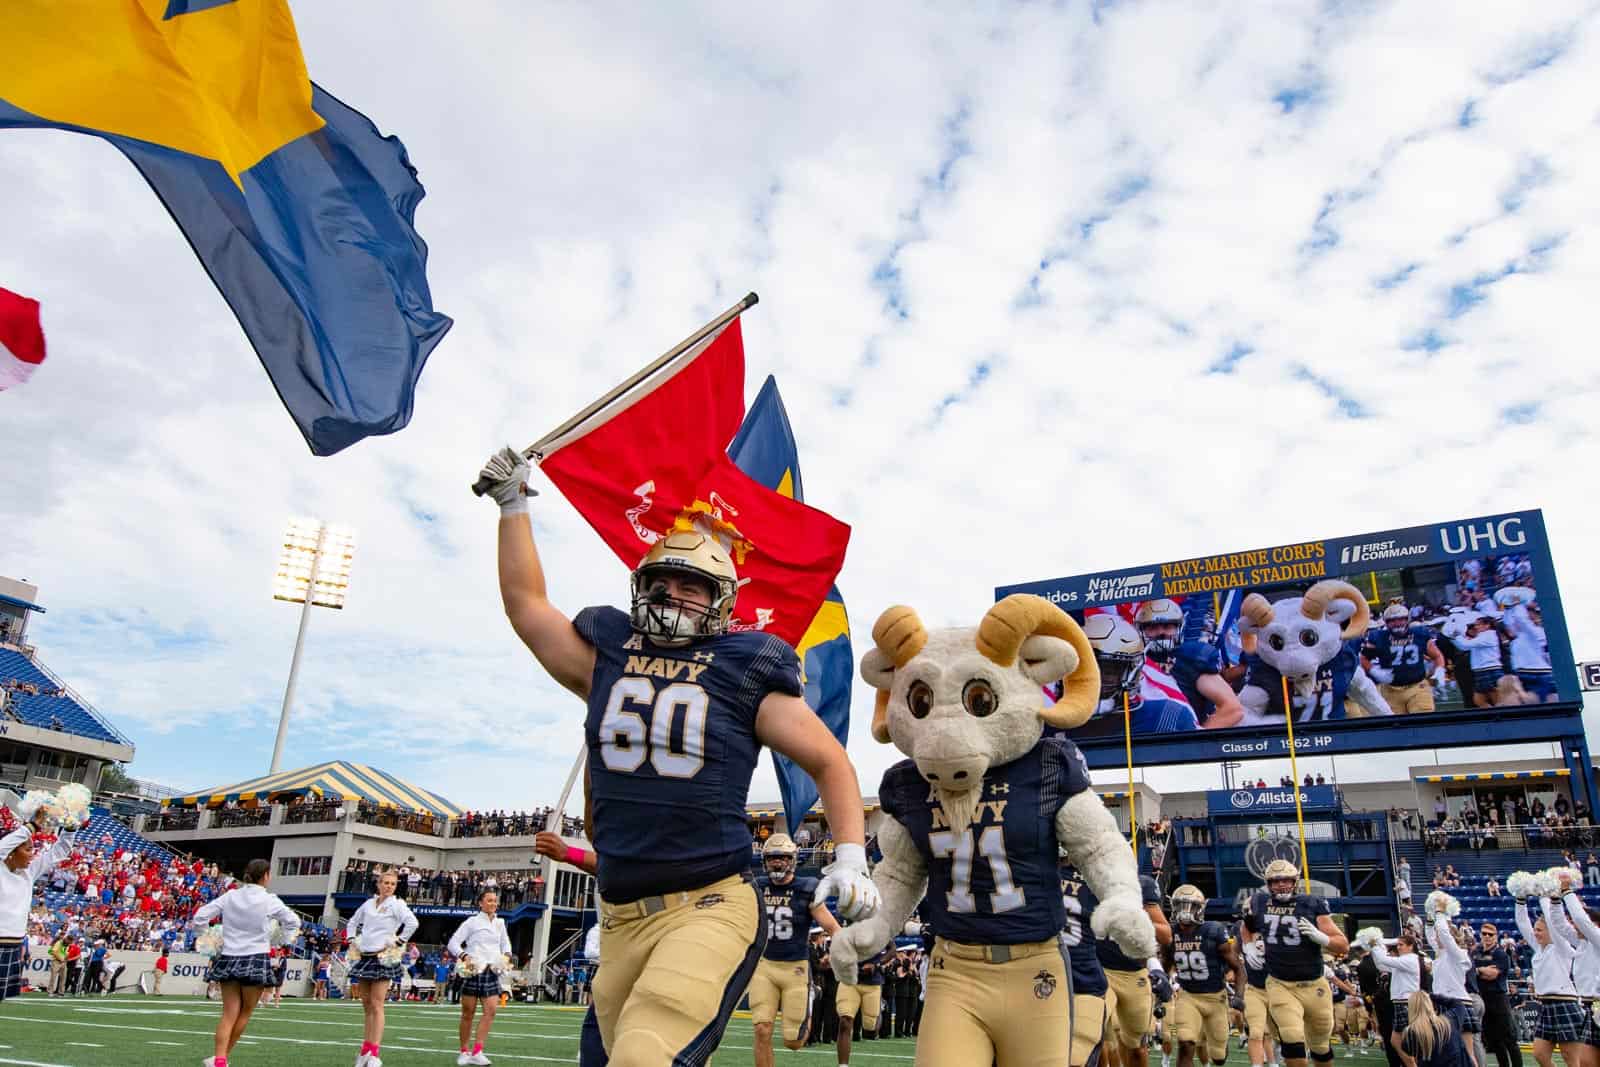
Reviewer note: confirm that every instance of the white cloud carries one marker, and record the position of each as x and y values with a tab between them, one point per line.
1095	206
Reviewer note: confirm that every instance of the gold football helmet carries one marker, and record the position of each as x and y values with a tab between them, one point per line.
670	620
1396	617
1119	650
1188	905
1281	871
779	856
1163	613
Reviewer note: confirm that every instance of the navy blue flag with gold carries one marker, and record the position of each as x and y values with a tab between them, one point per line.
764	449
299	209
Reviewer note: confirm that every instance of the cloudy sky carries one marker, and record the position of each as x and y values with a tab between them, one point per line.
1048	288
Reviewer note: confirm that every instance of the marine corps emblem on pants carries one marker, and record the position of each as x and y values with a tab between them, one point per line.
1044	984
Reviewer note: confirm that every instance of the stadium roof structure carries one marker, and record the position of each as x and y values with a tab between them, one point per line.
1495	776
339	779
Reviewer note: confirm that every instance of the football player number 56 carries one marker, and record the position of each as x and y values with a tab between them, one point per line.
625	741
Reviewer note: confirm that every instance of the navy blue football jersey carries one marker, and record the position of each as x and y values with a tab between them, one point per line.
994	882
1256	976
1326	700
1088	977
788	916
1197	960
1291	957
1405	655
1195	658
1113	958
1158	715
672	745
870	972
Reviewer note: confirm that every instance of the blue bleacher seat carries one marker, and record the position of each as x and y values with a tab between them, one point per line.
46	711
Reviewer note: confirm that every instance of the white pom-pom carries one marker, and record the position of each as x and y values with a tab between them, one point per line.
470	967
392	955
1565	878
1441	903
507	964
1520	885
1369	936
352	955
209	943
74	798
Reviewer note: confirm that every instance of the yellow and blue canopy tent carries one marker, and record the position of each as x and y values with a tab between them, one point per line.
339	779
1495	776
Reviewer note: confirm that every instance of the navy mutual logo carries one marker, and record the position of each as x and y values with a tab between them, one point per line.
1243	798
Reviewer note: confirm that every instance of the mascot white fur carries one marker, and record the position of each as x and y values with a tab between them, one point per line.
1303	639
966	706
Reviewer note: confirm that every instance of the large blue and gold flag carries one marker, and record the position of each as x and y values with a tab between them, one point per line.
300	210
765	450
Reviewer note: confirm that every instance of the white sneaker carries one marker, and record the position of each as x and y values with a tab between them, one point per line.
209	1061
361	1059
463	1059
372	1061
478	1059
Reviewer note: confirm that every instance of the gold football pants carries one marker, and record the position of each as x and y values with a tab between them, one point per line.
1010	1013
1303	1012
1413	699
671	970
863	1002
1202	1018
1257	1020
1088	1028
1128	1006
782	985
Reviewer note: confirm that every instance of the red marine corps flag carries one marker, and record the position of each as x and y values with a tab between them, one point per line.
653	457
21	338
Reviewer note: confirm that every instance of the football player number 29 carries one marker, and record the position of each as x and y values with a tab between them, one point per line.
625	741
992	847
1191	966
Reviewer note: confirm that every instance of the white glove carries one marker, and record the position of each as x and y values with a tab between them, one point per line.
507	475
1381	675
1255	953
1437	677
1311	932
846	878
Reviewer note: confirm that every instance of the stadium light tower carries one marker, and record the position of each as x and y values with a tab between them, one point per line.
313	571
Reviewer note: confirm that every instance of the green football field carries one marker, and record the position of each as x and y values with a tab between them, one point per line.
122	1031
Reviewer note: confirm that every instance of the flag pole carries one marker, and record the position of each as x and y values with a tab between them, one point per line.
1127	739
1294	773
536	450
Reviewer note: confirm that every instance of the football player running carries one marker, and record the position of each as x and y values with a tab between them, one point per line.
782	980
1201	957
1295	929
1260	1035
679	707
1129	1003
1195	664
1087	976
1402	658
1120	652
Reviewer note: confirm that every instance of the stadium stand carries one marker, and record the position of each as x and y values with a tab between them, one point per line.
38	698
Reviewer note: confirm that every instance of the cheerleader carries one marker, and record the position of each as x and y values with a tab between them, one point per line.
1450	967
1404	968
242	969
20	867
1585	940
480	943
381	925
1560	1012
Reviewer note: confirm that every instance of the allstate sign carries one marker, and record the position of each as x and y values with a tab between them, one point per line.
1273	800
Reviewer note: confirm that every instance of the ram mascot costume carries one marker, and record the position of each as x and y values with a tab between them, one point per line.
1313	640
976	818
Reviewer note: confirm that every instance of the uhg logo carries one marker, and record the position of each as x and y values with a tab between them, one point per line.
1243	798
1486	536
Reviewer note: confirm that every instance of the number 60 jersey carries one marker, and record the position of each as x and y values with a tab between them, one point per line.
994	882
672	745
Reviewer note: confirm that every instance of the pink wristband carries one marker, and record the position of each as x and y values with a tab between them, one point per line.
576	856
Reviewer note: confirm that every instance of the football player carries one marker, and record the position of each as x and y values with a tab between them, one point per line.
1261	1036
1088	978
1194	662
1120	652
1201	956
1128	999
1343	990
1295	929
679	706
862	999
1402	658
783	977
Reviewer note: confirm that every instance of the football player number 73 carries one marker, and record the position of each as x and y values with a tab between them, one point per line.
626	741
992	847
